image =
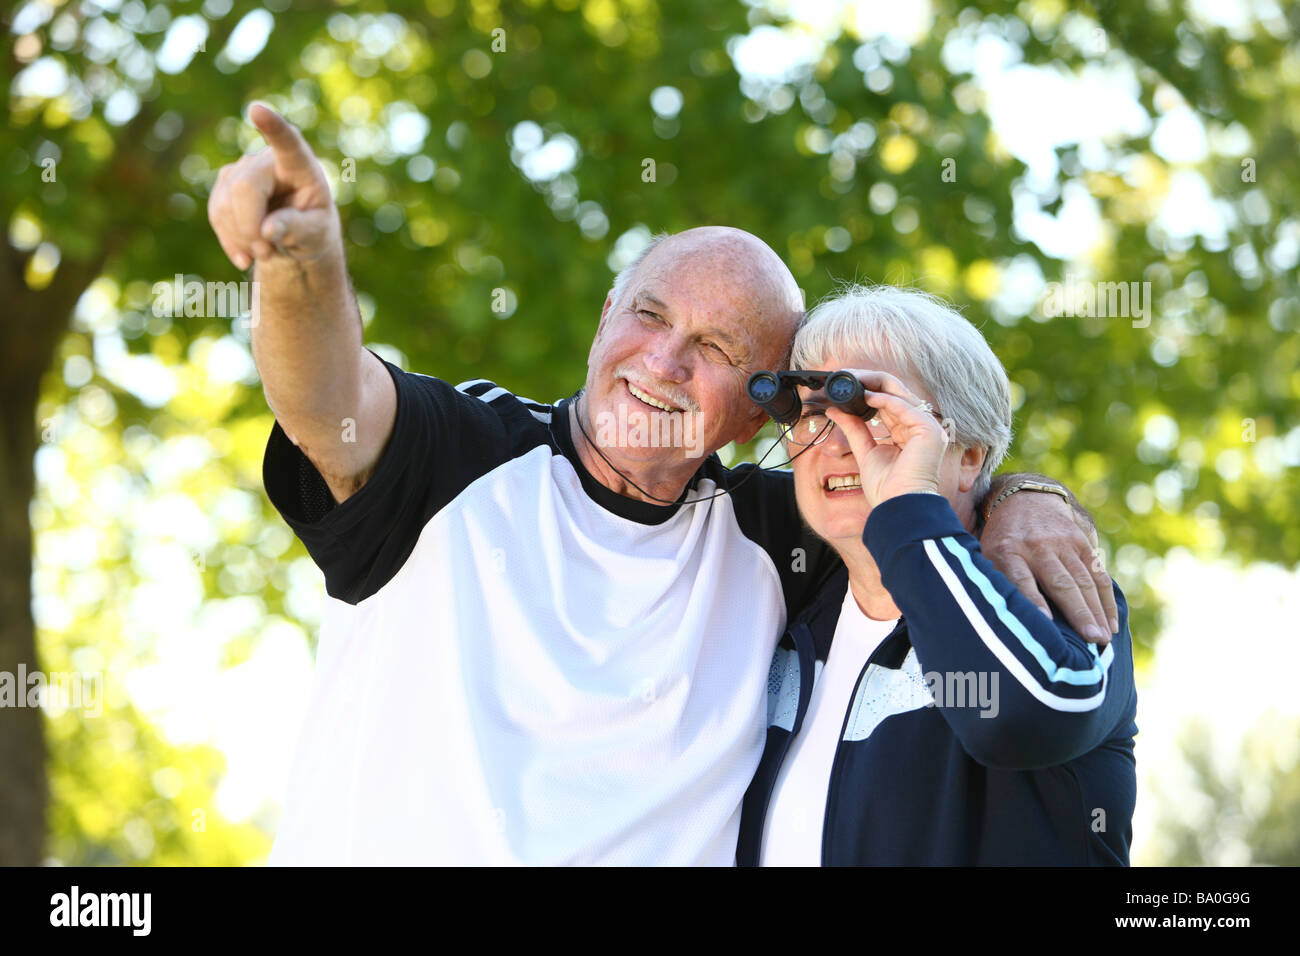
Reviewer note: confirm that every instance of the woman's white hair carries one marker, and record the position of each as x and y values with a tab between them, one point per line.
929	341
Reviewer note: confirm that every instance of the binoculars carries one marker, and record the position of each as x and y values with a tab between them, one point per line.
774	392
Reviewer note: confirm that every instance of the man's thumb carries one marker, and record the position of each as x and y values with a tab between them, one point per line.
295	231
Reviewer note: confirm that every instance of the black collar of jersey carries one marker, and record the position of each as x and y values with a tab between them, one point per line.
642	512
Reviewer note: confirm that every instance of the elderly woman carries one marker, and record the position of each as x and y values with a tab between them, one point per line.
921	710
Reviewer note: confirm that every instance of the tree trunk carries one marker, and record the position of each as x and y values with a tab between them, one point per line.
23	787
32	323
31	327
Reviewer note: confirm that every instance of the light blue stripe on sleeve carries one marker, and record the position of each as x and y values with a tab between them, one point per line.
1054	672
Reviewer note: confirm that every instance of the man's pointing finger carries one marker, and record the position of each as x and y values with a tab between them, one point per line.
290	149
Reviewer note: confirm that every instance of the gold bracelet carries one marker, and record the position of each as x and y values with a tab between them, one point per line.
1028	485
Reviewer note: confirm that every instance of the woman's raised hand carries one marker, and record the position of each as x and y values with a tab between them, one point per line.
911	460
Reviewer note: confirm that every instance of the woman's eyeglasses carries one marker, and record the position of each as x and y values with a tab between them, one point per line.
812	428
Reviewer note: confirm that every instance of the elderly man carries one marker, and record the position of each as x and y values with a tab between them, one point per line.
539	645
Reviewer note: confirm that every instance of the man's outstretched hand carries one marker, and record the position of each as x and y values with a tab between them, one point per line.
276	202
275	208
1039	542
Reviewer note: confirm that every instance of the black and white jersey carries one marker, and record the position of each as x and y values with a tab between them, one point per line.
516	664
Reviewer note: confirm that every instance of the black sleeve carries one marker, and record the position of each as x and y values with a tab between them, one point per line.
442	440
767	514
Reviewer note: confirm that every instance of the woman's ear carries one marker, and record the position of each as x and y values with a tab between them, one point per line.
968	471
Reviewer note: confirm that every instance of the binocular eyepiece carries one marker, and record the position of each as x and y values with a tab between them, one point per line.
775	392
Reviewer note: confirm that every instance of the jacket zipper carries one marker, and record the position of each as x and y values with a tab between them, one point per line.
839	743
835	761
767	800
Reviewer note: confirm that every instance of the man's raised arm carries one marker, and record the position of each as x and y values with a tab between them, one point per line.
333	399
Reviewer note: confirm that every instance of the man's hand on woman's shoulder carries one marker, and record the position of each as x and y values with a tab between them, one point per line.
1040	541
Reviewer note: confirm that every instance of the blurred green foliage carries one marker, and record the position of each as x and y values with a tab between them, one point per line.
488	146
1246	812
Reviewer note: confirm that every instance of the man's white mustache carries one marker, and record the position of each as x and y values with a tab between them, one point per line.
667	393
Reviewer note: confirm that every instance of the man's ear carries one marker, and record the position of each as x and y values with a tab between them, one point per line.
600	327
972	460
751	426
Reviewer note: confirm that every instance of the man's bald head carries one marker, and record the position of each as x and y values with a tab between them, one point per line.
758	280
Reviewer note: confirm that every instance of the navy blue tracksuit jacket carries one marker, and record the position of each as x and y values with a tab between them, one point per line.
979	733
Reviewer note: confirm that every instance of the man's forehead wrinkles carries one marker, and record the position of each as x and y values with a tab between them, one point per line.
732	310
646	297
707	313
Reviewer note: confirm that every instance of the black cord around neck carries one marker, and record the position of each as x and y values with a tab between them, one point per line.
577	413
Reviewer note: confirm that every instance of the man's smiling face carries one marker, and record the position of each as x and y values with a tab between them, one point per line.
705	309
